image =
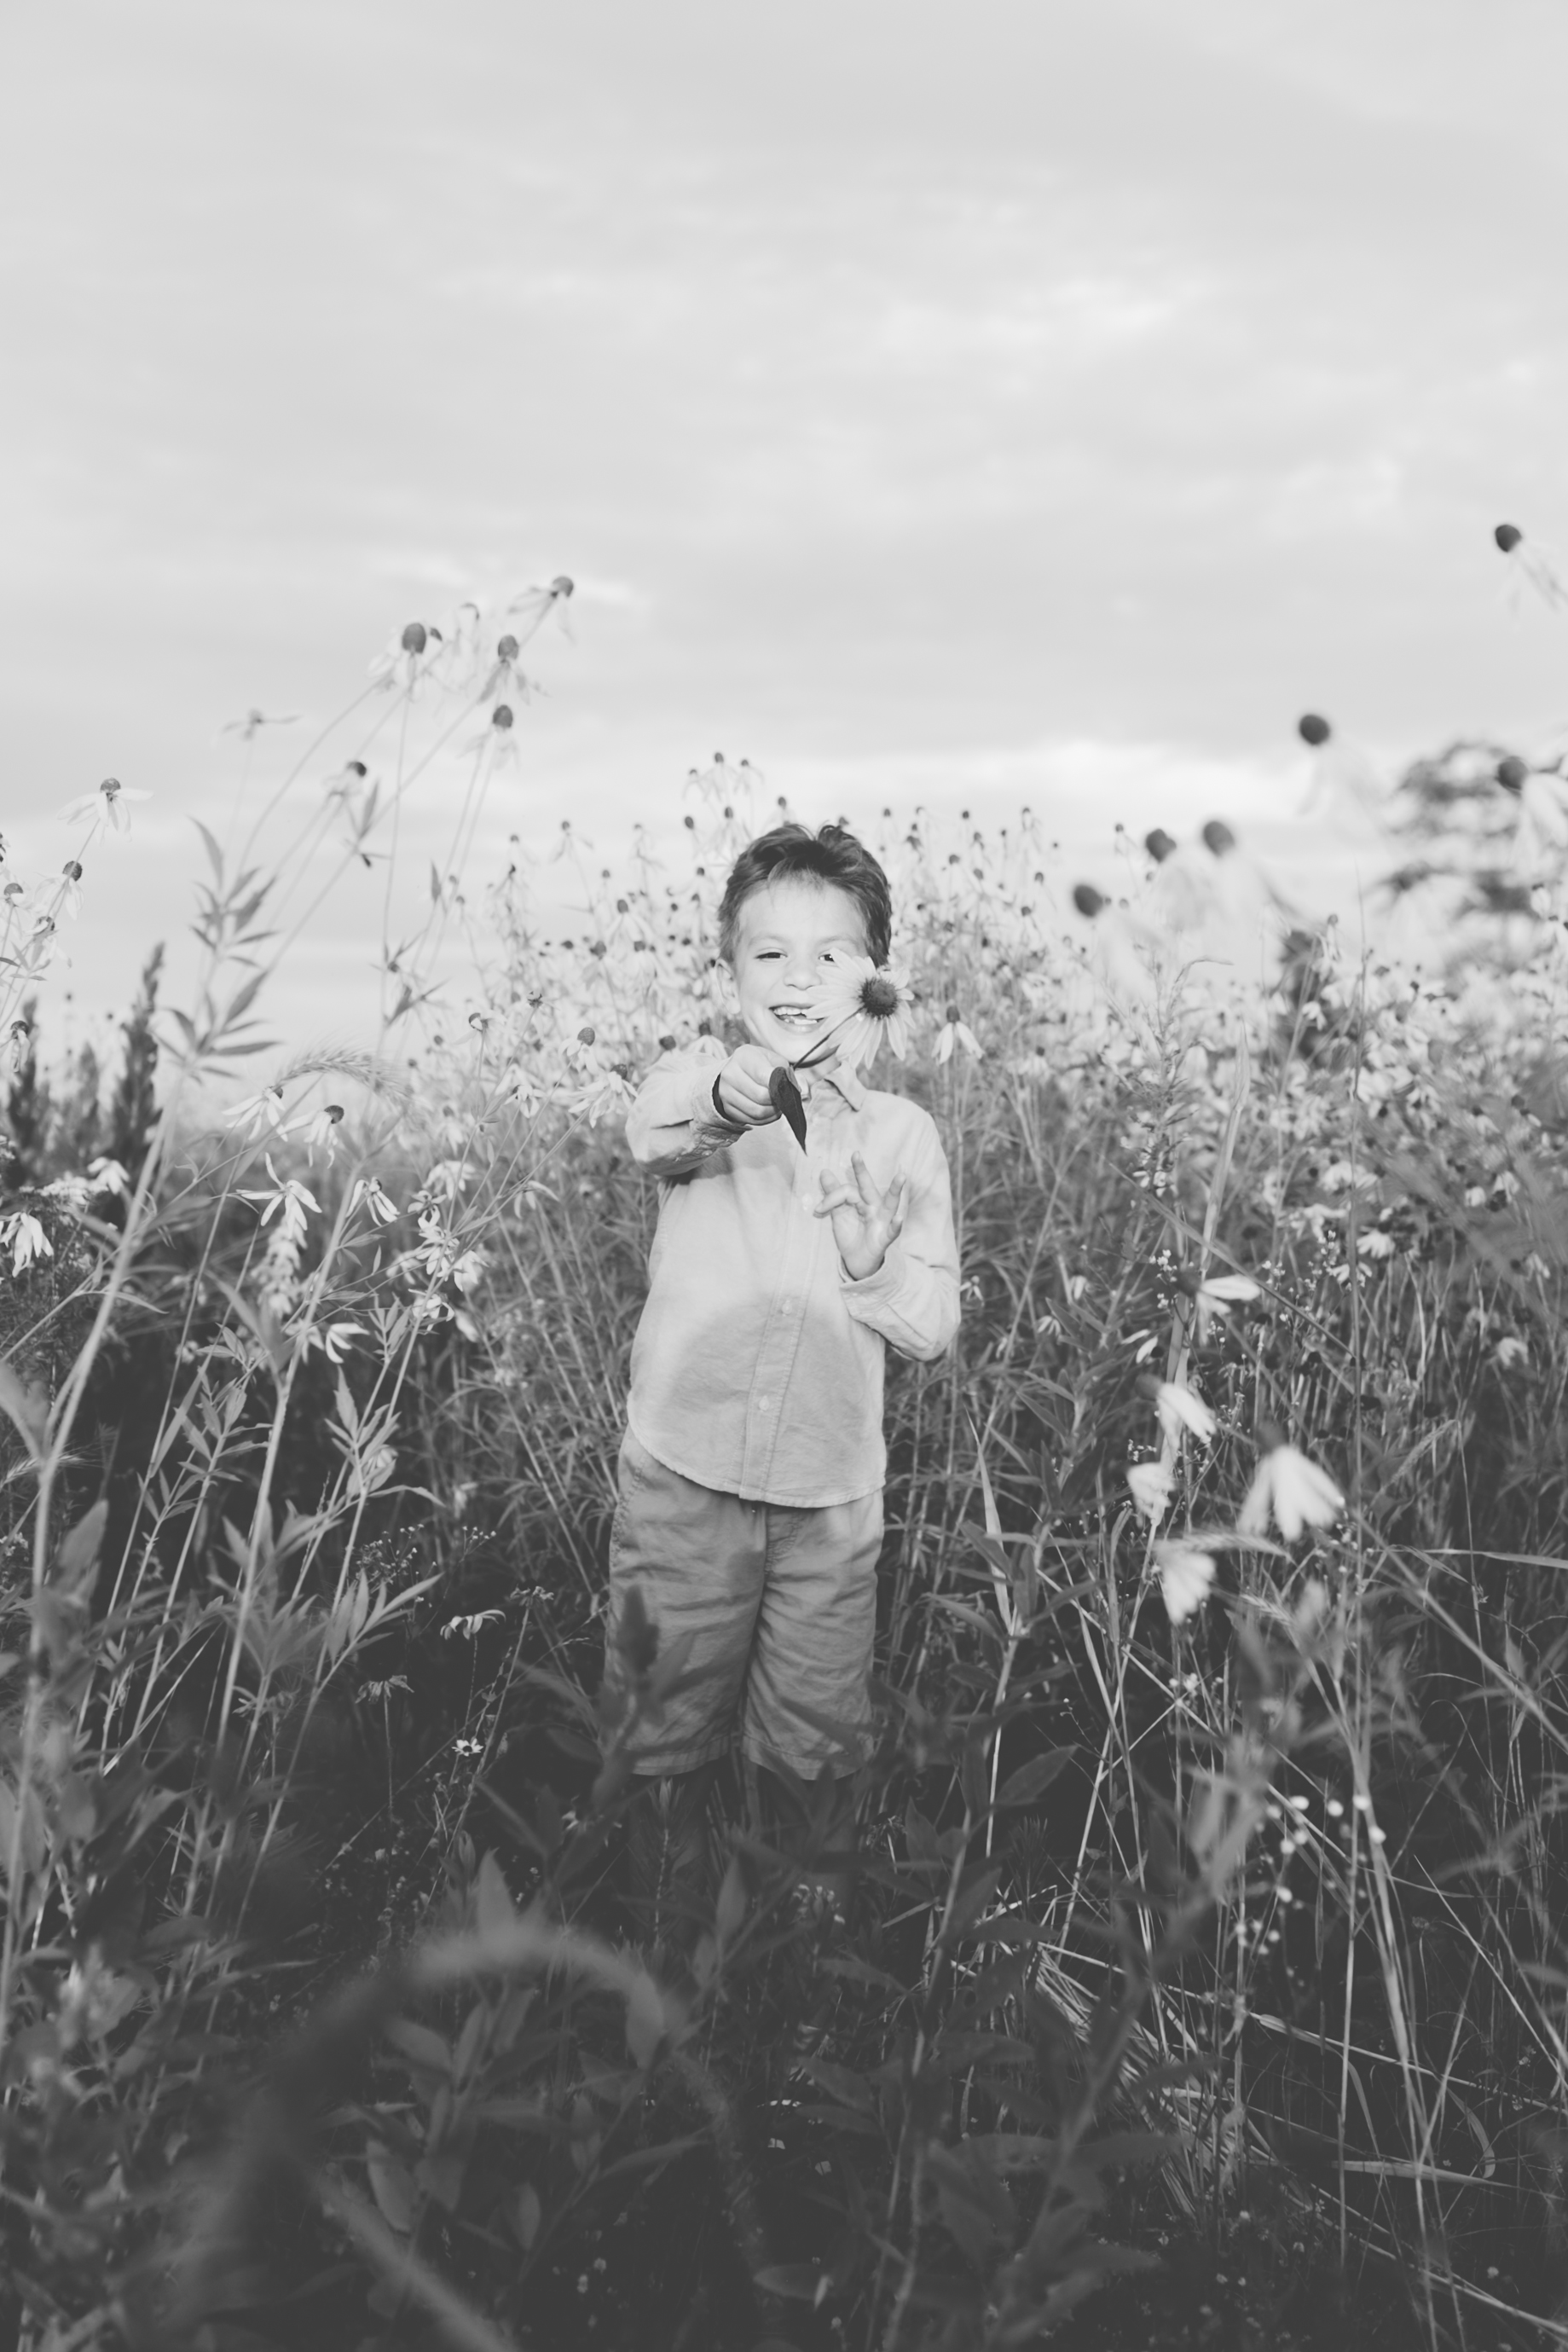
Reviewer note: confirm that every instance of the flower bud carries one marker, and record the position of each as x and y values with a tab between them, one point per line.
501	716
1314	729
1218	837
1512	772
416	638
666	1043
507	647
562	585
1087	900
585	1037
1159	845
1507	536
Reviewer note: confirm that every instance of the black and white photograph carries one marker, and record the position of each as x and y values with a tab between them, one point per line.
784	1176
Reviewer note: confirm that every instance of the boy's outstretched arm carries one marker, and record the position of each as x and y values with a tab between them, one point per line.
913	1297
672	1125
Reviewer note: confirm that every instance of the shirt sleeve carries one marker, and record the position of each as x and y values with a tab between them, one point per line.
913	1297
672	1125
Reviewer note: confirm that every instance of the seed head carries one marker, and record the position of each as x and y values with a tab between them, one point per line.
416	638
666	1043
561	586
1314	729
1512	772
1087	900
72	869
1507	536
1159	845
952	1013
585	1037
1218	837
507	647
501	716
110	788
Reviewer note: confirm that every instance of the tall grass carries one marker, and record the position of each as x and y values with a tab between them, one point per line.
1211	1894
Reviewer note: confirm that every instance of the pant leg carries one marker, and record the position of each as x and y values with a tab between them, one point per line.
699	1558
808	1704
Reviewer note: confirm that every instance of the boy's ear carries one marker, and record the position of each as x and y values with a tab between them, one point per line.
723	982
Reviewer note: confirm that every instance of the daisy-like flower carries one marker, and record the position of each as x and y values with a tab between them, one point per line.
1289	1489
108	806
249	728
1150	1485
1531	562
290	1201
504	677
534	607
497	735
335	1340
258	1114
1187	1579
956	1032
70	899
1214	1294
408	655
108	1176
1178	1408
863	1002
368	1194
25	1239
323	1128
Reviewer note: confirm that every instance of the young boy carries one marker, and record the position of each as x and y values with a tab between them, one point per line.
751	1473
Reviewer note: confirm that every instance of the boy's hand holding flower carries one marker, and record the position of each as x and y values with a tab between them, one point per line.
742	1086
866	1222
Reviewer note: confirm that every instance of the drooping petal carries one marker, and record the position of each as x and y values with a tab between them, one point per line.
1150	1485
1187	1579
1180	1408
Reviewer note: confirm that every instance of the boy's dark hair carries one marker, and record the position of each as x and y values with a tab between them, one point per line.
792	853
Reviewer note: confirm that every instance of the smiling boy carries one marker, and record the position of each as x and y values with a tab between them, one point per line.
750	1477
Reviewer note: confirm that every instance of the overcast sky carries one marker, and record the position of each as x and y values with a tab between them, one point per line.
1021	402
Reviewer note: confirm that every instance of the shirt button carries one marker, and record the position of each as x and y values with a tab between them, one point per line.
762	1403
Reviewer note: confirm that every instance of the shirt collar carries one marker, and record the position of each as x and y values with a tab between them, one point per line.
848	1086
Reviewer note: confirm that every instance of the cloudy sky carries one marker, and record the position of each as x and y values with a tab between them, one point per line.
1041	399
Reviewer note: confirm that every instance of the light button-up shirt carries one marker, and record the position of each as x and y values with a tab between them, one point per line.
757	1365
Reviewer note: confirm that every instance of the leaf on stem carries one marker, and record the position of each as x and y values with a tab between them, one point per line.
785	1096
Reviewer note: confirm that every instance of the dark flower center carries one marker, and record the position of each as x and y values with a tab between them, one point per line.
879	996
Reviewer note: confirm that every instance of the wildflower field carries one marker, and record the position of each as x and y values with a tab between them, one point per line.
1205	1976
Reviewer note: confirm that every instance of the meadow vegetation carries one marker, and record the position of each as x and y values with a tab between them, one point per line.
1205	1976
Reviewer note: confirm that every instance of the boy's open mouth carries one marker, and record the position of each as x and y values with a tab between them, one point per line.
795	1016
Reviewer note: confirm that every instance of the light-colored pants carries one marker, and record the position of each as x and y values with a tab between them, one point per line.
776	1609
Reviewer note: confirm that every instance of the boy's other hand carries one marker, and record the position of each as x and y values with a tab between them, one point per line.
865	1221
743	1086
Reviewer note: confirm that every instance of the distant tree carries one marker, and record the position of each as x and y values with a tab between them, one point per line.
79	1115
134	1106
27	1104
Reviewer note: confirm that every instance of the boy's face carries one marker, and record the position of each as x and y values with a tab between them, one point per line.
787	936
